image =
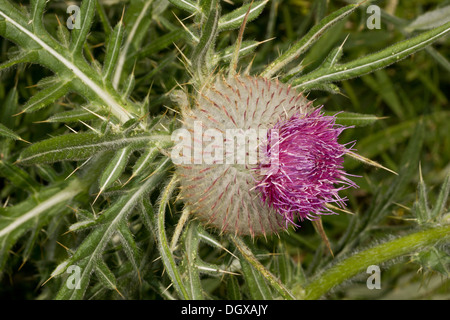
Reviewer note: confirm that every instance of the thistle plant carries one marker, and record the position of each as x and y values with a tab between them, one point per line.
154	149
294	176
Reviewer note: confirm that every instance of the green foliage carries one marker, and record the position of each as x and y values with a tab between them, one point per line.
95	188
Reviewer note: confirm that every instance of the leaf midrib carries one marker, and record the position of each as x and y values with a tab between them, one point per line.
84	146
122	114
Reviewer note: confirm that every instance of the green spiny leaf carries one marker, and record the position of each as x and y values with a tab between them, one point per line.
21	217
37	12
75	289
334	57
104	18
105	275
354	119
163	244
114	169
130	246
256	266
147	214
373	61
234	20
439	206
435	259
326	87
226	54
211	269
80	146
308	40
128	88
200	56
186	5
233	289
86	16
56	58
47	96
9	108
284	266
63	35
257	285
212	241
191	243
113	50
144	161
135	20
420	208
71	116
91	249
8	133
376	255
82	225
23	57
31	238
18	177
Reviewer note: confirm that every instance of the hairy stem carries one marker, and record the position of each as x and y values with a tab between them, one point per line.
353	265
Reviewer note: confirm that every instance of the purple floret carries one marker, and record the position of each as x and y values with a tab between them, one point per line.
308	167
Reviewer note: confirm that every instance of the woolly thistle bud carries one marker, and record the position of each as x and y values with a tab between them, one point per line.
254	155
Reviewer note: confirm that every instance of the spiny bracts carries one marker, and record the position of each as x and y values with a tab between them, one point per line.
254	156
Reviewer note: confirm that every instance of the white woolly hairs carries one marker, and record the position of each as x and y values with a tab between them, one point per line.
223	194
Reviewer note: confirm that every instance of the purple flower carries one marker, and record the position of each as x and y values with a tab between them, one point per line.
308	172
226	190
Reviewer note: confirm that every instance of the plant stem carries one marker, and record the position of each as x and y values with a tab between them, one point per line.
353	265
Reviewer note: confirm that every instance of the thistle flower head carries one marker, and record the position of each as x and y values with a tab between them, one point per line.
294	176
308	172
